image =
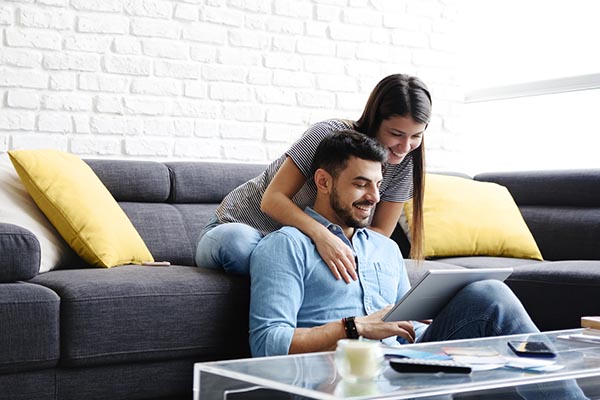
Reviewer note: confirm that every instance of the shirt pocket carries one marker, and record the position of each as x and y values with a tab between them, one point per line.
387	281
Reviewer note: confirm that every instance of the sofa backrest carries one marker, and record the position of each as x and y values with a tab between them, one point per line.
170	202
561	208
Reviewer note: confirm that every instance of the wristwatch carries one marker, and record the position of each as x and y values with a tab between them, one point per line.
350	328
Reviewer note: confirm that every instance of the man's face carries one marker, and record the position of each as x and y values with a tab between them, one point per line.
355	193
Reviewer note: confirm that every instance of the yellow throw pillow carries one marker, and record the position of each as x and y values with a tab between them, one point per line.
464	217
80	207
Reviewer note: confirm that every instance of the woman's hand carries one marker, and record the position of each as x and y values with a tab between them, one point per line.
337	255
373	327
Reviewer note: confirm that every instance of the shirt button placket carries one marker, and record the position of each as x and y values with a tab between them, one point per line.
368	300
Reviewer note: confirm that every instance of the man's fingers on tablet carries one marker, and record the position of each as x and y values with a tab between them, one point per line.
407	327
407	335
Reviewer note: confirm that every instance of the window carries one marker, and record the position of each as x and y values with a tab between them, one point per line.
531	74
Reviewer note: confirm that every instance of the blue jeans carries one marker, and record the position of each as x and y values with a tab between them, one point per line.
481	309
490	308
227	246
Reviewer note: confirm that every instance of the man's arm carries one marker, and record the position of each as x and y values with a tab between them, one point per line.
277	272
325	337
276	293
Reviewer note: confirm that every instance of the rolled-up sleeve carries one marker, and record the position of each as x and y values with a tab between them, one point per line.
277	280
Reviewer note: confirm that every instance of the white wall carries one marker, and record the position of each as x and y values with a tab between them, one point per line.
230	80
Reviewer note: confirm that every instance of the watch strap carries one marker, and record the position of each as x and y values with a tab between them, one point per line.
350	328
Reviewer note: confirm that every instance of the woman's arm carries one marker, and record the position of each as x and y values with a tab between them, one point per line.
386	217
277	203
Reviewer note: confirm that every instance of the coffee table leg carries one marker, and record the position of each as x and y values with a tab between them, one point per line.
209	386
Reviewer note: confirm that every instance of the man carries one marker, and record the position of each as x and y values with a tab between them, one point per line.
297	305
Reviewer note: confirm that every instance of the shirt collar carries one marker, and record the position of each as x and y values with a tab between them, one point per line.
336	229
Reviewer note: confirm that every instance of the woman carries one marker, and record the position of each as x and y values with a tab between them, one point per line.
396	114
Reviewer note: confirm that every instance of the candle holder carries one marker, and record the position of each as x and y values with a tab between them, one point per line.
358	360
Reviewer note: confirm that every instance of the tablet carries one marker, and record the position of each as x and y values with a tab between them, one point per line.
436	288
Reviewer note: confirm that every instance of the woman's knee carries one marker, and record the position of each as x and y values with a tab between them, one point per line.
235	236
228	246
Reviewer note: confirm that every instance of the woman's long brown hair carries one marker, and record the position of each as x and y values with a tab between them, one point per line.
402	95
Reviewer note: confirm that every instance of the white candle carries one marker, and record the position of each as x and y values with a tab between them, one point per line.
358	359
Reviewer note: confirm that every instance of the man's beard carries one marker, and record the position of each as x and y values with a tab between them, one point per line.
345	214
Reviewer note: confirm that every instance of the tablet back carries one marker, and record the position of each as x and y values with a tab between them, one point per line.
436	288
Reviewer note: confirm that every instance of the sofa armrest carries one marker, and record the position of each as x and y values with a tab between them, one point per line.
20	253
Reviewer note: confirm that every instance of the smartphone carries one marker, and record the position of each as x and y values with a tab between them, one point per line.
531	349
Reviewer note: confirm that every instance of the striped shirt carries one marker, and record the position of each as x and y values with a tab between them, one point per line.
243	203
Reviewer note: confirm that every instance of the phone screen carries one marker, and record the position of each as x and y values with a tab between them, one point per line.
528	348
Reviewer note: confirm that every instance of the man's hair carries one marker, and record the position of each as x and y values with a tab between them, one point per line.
335	150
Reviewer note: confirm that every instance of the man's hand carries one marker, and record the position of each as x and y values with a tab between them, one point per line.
373	327
337	255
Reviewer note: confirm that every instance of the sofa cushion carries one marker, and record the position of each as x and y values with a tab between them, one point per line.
416	270
561	208
29	323
162	228
574	187
197	182
18	208
19	253
80	207
565	233
463	217
550	292
169	230
139	313
135	181
38	385
158	380
491	262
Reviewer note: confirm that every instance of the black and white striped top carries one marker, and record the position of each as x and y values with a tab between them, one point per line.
243	203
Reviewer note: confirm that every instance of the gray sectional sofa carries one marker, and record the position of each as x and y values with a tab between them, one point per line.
134	332
562	211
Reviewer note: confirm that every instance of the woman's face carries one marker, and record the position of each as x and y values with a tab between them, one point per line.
400	135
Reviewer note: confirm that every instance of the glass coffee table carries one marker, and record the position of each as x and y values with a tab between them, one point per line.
314	376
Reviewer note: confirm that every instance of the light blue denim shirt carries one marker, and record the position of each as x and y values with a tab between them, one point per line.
291	287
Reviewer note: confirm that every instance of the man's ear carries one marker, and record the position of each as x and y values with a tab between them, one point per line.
323	180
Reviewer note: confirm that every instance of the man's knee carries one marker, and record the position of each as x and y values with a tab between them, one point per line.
489	293
488	289
493	294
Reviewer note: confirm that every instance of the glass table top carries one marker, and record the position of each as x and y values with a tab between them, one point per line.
314	375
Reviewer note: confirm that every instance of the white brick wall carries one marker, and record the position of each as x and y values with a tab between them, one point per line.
235	80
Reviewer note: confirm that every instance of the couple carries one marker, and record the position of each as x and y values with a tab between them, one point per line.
324	266
298	306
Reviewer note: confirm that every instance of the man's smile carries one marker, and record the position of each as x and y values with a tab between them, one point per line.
364	207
